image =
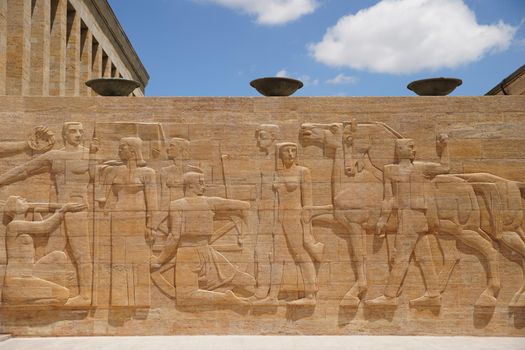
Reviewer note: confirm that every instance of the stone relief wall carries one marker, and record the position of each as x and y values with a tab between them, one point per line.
262	216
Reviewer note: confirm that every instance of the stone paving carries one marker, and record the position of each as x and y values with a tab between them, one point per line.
266	342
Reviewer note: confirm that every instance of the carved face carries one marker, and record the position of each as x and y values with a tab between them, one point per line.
73	134
197	185
406	149
288	154
265	139
125	152
176	150
16	205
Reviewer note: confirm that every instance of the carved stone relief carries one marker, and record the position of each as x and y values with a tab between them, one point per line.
150	219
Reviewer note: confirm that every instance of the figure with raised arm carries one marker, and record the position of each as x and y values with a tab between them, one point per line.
202	274
408	195
72	168
22	285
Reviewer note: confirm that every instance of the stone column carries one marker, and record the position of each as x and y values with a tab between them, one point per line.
73	53
3	45
18	63
57	72
86	57
107	67
96	70
40	34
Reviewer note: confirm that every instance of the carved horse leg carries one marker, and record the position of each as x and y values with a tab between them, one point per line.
514	242
476	241
357	249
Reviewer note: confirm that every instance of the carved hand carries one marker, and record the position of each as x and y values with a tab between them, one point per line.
442	140
149	235
381	227
74	207
95	146
154	263
306	215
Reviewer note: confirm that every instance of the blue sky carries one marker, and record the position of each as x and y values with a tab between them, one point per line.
336	47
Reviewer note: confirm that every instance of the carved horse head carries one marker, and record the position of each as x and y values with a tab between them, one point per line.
326	136
369	139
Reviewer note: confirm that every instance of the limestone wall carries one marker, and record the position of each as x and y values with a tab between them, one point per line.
262	216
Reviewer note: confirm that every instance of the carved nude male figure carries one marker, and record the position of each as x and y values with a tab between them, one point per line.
21	286
202	275
71	171
407	192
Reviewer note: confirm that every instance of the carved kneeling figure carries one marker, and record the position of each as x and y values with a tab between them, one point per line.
22	284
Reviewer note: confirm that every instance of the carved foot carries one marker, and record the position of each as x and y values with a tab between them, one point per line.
383	300
268	301
518	300
303	302
231	298
426	300
349	301
353	297
486	300
79	300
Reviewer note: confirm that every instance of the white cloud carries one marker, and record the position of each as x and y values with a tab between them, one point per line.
341	79
271	12
282	73
308	80
407	36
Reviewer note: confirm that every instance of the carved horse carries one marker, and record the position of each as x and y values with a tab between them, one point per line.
360	151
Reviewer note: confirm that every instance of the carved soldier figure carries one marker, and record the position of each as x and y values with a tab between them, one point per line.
21	286
266	136
71	169
171	176
408	194
202	275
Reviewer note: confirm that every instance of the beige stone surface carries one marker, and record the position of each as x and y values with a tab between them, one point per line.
319	216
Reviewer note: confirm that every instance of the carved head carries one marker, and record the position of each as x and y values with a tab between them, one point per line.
356	144
178	148
287	153
405	149
266	134
193	182
322	135
130	148
14	205
72	133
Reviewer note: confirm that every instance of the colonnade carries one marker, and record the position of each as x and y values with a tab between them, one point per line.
47	49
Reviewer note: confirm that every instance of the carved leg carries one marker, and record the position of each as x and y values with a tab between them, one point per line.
474	240
78	239
358	256
423	254
513	241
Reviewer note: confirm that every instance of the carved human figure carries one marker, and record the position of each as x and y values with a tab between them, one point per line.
71	168
21	285
266	136
408	195
202	275
178	152
293	191
131	196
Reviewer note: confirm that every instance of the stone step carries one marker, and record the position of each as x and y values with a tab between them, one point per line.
4	337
